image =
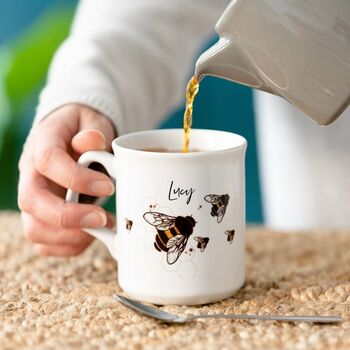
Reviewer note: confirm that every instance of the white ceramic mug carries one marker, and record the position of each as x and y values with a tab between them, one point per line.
180	216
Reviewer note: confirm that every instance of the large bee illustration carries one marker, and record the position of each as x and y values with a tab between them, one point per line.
219	205
202	242
172	233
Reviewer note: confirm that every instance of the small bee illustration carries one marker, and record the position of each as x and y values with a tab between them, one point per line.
202	242
172	233
219	205
230	235
128	224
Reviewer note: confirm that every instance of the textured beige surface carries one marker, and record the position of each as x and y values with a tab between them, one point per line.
52	303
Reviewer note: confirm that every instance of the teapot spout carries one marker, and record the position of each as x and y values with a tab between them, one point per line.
225	60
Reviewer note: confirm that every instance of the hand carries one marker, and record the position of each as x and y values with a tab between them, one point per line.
48	167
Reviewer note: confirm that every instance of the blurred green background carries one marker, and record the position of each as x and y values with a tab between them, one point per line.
30	32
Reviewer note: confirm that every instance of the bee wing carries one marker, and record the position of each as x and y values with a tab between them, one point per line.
176	245
198	239
212	198
221	213
160	221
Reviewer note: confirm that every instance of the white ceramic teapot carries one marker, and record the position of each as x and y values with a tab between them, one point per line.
298	49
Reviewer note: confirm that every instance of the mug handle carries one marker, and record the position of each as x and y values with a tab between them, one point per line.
105	235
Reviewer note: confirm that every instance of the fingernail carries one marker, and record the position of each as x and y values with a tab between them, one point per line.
102	187
94	219
103	145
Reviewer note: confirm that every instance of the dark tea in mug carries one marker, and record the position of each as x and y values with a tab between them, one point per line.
168	150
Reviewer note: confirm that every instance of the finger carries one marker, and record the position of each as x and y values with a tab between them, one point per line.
91	120
35	198
55	163
97	132
60	250
38	231
89	140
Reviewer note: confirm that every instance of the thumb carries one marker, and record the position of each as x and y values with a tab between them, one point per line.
96	134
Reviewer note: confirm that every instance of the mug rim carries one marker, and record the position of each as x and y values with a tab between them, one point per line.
117	143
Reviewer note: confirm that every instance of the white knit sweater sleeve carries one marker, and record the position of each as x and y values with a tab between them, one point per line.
129	59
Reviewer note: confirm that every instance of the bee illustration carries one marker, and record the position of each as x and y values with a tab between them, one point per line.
230	235
219	205
128	224
172	233
202	242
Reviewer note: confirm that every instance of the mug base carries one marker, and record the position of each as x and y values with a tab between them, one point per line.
183	300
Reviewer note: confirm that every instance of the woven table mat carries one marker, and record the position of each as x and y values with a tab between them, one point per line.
65	303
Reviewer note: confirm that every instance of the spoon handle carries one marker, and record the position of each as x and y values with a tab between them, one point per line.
312	319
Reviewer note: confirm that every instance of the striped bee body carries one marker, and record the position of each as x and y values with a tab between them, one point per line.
216	207
163	237
219	205
172	233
